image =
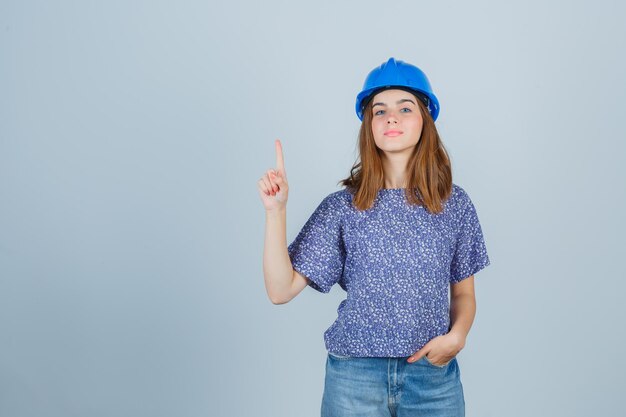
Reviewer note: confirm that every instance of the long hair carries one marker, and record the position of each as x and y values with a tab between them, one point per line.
429	174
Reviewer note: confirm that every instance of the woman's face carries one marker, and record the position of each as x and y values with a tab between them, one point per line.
396	121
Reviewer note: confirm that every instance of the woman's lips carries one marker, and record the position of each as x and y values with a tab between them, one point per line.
393	133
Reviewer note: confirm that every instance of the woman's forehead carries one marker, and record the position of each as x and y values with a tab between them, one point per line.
393	94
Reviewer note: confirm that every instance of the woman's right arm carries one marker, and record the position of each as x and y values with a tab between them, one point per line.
282	282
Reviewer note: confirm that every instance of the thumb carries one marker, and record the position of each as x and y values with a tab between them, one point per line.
280	177
417	355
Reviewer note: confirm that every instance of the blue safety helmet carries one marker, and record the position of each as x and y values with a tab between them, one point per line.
397	74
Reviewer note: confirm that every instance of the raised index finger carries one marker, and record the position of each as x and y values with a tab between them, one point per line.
280	163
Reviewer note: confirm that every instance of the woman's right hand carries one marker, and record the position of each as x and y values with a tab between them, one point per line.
273	186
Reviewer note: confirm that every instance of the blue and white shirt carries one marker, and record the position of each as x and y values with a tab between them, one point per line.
395	261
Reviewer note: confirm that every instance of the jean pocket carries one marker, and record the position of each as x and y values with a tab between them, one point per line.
339	357
438	366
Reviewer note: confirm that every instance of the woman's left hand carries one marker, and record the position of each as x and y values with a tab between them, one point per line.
440	349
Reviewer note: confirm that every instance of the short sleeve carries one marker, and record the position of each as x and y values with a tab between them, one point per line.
470	253
318	251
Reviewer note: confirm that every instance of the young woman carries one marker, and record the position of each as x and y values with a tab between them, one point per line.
395	238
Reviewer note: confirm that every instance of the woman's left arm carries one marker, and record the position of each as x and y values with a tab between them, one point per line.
462	308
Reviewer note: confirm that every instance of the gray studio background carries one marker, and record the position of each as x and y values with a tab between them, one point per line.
132	136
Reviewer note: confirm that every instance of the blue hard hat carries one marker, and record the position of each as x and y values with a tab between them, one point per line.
399	74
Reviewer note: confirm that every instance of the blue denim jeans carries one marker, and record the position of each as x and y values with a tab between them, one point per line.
392	387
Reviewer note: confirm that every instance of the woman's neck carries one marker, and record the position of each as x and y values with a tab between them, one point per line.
394	168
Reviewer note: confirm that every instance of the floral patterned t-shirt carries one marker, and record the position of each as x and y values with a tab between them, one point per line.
395	261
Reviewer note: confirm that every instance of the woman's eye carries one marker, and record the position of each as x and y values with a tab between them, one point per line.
379	112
